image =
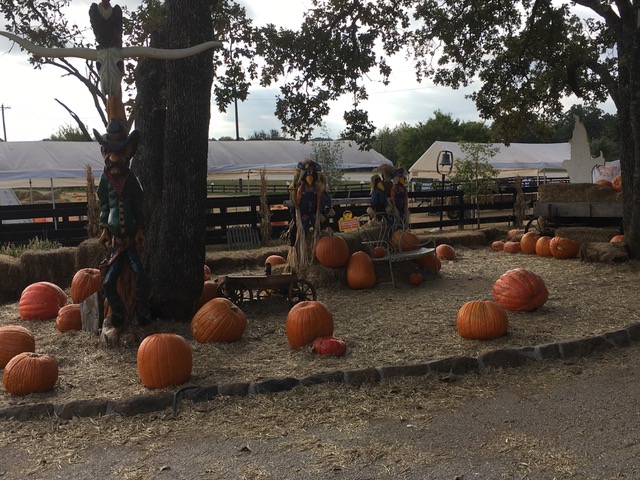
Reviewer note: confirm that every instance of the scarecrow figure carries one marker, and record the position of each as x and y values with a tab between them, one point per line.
122	223
309	194
378	204
400	197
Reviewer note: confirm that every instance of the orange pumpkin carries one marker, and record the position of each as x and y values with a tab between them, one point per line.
511	247
430	261
85	283
209	291
218	320
445	252
360	271
69	318
275	260
332	251
604	182
207	273
482	320
520	290
164	359
563	248
514	232
14	339
616	183
307	321
528	243
41	301
30	372
542	247
497	246
404	241
379	252
617	238
415	278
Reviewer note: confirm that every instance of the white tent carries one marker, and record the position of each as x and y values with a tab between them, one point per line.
524	159
68	160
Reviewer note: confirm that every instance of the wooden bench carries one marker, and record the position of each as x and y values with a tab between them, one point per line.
392	257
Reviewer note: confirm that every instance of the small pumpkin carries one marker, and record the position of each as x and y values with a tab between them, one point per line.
445	252
164	359
415	278
41	301
209	292
563	248
520	290
332	251
430	262
542	247
379	252
30	372
604	182
69	318
85	283
497	246
219	320
307	321
329	346
404	241
617	238
207	273
14	339
514	232
482	320
275	260
360	271
528	243
511	247
616	183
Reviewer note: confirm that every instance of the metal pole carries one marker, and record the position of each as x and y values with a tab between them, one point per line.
442	201
4	126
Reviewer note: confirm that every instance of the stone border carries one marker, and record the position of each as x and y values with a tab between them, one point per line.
506	358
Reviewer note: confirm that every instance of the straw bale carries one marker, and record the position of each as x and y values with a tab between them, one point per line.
604	252
89	254
228	261
12	278
584	235
55	266
320	276
466	238
577	192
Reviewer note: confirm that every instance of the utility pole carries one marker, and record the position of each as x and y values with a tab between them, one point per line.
4	127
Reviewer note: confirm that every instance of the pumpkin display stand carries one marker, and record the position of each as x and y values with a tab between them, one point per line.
130	334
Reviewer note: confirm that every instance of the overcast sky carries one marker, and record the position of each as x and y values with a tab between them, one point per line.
32	113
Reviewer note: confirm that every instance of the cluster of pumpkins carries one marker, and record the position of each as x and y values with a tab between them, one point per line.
616	183
333	252
532	243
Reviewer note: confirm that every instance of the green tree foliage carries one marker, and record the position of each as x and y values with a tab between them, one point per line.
272	134
328	154
68	133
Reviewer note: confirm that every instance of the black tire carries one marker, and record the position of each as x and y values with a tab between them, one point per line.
301	291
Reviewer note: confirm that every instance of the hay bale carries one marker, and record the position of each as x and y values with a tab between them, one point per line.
12	279
320	276
584	235
55	266
577	192
225	262
89	254
604	252
465	238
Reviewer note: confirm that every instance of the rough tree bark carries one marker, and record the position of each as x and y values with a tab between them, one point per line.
173	116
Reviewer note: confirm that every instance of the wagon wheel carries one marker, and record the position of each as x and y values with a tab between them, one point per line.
540	225
300	291
235	291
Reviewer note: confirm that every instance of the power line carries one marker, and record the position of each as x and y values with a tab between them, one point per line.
4	127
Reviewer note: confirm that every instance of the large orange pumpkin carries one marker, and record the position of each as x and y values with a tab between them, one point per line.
275	260
14	339
30	372
218	320
307	321
69	318
520	290
164	359
542	247
430	262
562	248
85	283
511	247
528	243
41	301
332	251
404	241
360	271
482	320
616	183
445	252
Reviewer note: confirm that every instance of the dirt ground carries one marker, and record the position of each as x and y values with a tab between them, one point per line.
556	419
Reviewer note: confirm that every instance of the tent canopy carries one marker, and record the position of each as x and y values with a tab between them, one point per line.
524	159
46	159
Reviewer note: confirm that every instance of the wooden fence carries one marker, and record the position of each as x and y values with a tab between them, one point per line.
66	222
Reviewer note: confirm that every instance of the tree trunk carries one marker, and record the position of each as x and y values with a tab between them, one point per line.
174	124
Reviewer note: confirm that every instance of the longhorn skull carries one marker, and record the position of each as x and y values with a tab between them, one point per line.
110	60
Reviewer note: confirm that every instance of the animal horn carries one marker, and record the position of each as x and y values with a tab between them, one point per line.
38	51
168	54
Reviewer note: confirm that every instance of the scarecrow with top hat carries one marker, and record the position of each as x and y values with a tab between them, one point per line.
122	223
